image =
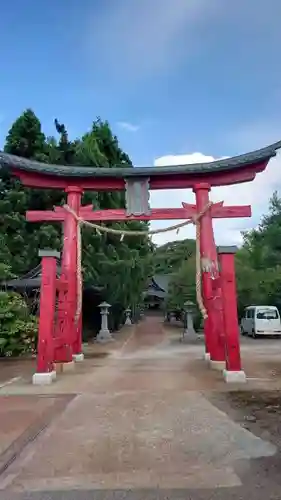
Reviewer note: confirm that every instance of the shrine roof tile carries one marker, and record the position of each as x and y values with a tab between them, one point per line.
227	164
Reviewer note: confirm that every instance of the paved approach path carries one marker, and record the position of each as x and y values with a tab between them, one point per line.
139	426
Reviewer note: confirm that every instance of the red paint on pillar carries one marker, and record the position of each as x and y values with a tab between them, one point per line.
231	326
68	332
213	326
45	347
69	263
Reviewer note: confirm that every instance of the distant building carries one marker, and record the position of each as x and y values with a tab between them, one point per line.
157	291
29	285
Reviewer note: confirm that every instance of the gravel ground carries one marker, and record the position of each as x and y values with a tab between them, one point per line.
257	411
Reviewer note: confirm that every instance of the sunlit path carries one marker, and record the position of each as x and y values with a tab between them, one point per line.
141	419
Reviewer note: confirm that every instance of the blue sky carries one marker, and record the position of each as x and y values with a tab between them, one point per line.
191	74
171	76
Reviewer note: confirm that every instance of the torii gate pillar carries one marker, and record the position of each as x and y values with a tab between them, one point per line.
213	327
68	299
45	371
68	332
69	266
233	371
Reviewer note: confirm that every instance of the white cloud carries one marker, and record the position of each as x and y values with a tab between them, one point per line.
227	231
128	126
182	159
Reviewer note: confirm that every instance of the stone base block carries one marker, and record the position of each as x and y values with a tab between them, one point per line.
217	365
78	358
65	367
207	356
43	378
104	336
68	367
234	377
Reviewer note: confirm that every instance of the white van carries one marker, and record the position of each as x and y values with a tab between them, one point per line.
261	320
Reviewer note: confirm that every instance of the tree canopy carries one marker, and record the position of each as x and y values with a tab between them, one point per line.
169	257
121	267
258	264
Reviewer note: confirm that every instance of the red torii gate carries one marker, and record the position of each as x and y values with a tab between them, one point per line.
68	330
137	182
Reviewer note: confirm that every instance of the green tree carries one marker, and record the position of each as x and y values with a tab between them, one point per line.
168	258
25	137
17	326
258	262
22	239
183	285
120	266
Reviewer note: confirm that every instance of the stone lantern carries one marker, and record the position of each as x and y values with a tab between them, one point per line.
188	329
128	320
104	334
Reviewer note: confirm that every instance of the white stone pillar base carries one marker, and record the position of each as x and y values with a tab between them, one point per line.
207	356
128	322
43	378
78	358
234	377
217	365
104	336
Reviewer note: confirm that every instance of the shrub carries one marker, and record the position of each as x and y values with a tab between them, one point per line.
18	328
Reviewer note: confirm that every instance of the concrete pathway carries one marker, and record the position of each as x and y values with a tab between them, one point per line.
139	425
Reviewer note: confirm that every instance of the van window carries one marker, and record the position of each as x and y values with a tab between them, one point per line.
249	313
267	314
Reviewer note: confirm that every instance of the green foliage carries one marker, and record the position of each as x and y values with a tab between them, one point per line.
169	257
18	329
121	267
258	265
182	288
258	262
177	259
25	138
20	238
182	285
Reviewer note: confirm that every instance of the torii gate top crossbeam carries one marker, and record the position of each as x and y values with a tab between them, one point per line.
233	170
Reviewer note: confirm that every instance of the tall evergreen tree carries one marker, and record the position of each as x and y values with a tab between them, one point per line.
121	267
22	239
25	137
